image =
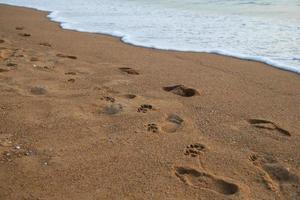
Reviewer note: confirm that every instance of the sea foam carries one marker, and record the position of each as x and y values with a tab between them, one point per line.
262	30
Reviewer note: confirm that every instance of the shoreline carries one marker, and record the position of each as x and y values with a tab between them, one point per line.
258	59
86	116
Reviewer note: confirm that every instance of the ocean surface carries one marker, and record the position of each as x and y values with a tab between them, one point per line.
262	30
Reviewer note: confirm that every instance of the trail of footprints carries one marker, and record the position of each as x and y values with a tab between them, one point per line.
195	178
201	179
6	54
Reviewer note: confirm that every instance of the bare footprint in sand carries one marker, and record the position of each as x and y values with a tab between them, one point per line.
24	34
203	180
113	109
71	80
11	64
129	70
268	125
19	28
194	150
46	44
130	96
3	70
34	59
277	177
71	73
181	90
38	91
172	124
66	56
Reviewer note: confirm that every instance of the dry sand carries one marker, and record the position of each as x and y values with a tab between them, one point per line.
85	116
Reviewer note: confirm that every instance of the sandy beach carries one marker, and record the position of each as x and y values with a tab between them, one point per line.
84	116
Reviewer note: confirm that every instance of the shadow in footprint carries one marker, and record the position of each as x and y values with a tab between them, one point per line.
38	91
130	96
11	64
174	122
265	124
70	73
46	44
19	28
66	56
129	70
181	90
71	80
24	34
1	41
203	180
3	70
34	59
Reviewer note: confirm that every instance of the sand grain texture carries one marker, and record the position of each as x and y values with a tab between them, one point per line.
85	116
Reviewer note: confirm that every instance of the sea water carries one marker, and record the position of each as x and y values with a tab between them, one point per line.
261	30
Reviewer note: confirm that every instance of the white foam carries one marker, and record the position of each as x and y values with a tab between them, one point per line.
267	31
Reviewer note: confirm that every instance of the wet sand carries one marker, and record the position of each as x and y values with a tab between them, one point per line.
85	116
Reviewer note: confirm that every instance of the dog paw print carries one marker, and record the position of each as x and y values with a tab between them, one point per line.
152	128
145	108
194	150
107	98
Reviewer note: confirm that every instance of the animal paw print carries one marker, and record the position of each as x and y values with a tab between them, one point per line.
152	128
107	98
71	80
194	149
144	108
253	157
